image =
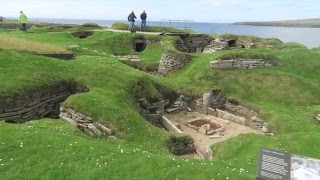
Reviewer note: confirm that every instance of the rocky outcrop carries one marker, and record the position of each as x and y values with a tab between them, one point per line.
240	63
181	145
172	61
37	103
84	123
220	44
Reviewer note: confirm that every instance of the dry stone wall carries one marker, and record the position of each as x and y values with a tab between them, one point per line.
38	103
240	63
221	44
181	145
214	103
84	123
172	61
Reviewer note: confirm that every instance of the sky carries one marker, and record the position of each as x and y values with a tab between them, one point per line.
197	10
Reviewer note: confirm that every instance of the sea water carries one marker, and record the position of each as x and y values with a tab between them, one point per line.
306	36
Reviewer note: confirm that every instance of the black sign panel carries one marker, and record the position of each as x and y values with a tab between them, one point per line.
277	165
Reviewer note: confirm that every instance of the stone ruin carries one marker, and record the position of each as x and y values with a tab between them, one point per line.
38	103
206	126
224	43
133	58
240	63
139	44
85	123
212	103
193	43
200	43
181	145
172	61
154	110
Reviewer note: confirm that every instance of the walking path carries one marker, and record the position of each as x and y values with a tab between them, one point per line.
149	33
138	32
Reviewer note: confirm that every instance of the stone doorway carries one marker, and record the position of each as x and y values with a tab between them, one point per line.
139	45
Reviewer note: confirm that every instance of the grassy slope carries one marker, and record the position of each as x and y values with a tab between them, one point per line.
287	95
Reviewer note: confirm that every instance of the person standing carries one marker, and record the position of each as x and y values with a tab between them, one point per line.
23	21
1	19
143	18
131	20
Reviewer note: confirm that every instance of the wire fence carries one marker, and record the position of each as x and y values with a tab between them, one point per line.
179	24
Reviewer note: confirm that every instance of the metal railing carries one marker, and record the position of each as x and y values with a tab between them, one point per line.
179	24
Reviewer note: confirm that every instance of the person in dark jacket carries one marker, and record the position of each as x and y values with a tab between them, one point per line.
131	20
143	18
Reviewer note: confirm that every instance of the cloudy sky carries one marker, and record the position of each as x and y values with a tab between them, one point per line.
197	10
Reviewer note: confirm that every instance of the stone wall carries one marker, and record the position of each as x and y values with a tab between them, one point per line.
240	63
214	103
181	145
172	61
170	126
37	103
220	44
84	123
231	117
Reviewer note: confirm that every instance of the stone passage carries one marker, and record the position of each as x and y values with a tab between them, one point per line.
139	44
84	123
37	103
172	61
82	34
193	43
240	63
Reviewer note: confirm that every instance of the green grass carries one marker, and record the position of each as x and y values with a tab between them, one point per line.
246	54
24	45
287	96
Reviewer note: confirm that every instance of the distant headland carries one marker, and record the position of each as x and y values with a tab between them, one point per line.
304	23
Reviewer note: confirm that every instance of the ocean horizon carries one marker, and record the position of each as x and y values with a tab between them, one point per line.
305	36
